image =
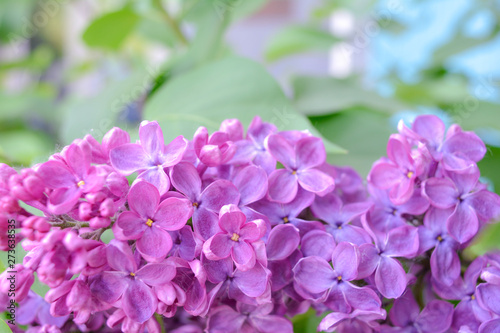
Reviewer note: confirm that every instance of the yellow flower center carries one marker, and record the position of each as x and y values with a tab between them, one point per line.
235	237
80	183
149	222
473	297
132	274
409	174
294	172
439	238
339	277
286	220
195	204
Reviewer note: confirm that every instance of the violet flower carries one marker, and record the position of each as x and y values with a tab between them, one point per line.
247	318
236	238
445	263
149	157
299	160
390	277
279	213
405	314
253	149
316	279
206	202
471	202
399	173
458	151
331	210
149	221
130	283
69	181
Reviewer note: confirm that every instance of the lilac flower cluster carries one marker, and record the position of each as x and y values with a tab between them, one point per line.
229	233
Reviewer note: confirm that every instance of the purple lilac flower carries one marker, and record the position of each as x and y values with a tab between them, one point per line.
247	318
458	151
130	284
235	239
279	213
215	149
253	149
69	179
471	202
150	157
469	312
299	160
206	202
445	263
406	317
338	216
316	279
397	174
149	221
390	277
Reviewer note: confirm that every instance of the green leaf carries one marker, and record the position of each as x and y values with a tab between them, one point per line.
110	30
363	133
473	114
96	115
324	95
297	39
4	328
23	146
307	322
155	30
230	88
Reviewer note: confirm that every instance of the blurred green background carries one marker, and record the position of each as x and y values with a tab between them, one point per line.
346	70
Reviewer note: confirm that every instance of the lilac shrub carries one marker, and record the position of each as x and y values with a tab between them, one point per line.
233	232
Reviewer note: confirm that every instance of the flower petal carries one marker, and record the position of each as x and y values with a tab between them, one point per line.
282	186
154	244
56	175
173	213
489	296
243	255
463	223
143	199
120	257
385	175
151	137
173	152
205	223
281	149
108	286
445	264
282	241
390	278
441	192
157	177
315	181
185	179
402	242
129	158
252	282
139	302
362	298
218	247
345	260
310	152
314	274
221	192
132	225
435	317
252	184
156	274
